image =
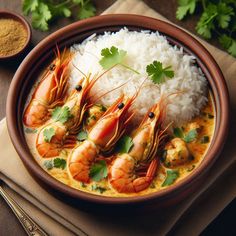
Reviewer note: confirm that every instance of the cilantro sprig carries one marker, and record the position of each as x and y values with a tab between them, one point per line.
125	144
48	134
171	176
57	163
61	114
98	171
157	73
217	19
189	137
45	11
112	57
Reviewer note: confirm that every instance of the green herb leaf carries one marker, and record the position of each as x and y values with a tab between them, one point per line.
185	7
30	131
29	6
158	73
59	163
178	132
41	16
98	188
98	171
172	175
48	164
82	135
125	144
61	114
191	136
206	23
111	57
224	15
48	134
87	11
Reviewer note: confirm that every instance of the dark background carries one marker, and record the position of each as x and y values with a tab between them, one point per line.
222	225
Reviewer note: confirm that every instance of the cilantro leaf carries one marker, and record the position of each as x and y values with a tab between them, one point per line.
190	136
82	135
59	163
30	130
100	189
41	16
29	6
185	7
61	114
158	73
48	134
125	144
171	176
87	11
111	57
232	48
178	132
224	15
48	164
206	23
98	171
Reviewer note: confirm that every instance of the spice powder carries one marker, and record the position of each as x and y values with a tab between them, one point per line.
13	36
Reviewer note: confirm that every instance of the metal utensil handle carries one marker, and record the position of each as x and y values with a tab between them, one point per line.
31	228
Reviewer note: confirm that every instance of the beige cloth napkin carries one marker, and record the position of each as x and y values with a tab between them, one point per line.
195	212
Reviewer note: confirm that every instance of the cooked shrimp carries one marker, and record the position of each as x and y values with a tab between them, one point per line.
102	137
177	153
63	132
124	175
49	92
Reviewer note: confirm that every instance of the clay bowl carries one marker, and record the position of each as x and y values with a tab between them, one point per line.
75	33
4	14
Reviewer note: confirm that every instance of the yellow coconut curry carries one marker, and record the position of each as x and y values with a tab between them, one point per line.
90	147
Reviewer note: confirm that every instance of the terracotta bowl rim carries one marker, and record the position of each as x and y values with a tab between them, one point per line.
24	22
139	22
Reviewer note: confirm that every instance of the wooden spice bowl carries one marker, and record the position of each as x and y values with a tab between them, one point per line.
5	14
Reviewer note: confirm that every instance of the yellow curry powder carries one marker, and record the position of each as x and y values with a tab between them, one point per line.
13	36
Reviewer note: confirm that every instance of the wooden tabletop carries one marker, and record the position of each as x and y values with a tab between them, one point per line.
8	223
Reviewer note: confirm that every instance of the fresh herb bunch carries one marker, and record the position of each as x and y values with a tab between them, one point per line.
218	19
44	11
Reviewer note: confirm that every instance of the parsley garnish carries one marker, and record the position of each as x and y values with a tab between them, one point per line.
125	144
171	176
30	131
61	114
112	57
45	11
189	137
82	135
98	171
57	163
48	134
98	188
217	19
158	73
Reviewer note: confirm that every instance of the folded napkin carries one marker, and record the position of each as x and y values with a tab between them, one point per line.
195	212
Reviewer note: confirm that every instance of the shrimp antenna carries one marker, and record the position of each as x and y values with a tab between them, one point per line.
110	90
80	70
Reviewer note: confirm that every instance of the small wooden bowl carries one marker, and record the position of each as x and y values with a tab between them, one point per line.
27	73
12	15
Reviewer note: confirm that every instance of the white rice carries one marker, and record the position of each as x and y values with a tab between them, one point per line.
142	49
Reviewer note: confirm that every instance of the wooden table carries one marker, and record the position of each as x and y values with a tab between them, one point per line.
8	223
